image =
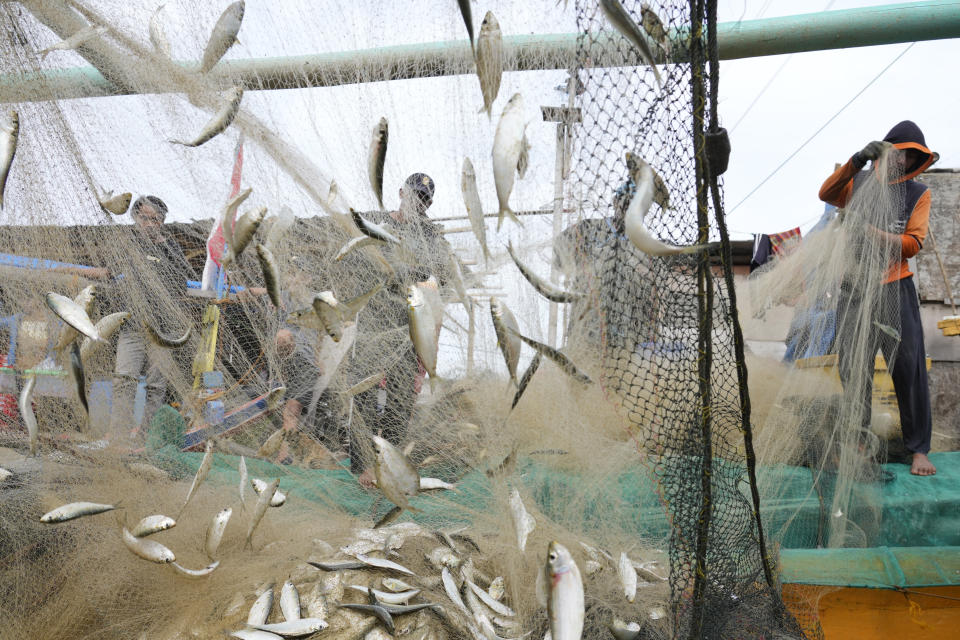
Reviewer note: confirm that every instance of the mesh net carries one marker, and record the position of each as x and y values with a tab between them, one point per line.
650	461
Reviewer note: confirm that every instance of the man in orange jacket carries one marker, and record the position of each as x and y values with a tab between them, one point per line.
908	232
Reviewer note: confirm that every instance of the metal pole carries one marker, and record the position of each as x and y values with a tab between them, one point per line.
557	206
869	26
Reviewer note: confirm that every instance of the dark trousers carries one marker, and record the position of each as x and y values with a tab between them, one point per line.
391	423
906	358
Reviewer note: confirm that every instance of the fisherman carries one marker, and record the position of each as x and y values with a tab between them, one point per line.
907	233
136	354
383	339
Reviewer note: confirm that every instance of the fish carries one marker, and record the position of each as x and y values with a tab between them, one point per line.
396	476
374	609
396	585
422	323
261	508
375	231
242	469
167	342
9	135
366	384
431	484
271	274
75	510
661	194
338	565
450	587
400	609
289	601
80	37
79	379
591	567
215	532
261	607
526	378
468	21
378	157
115	204
73	314
654	27
254	634
148	549
523	522
489	60
220	121
223	36
628	577
195	573
471	199
496	590
386	597
507	330
106	327
229	214
293	628
441	557
507	146
259	486
151	525
623	631
243	231
4	474
202	471
637	211
887	329
354	243
270	447
84	300
495	605
562	361
548	290
565	608
334	314
26	410
623	23
157	38
381	563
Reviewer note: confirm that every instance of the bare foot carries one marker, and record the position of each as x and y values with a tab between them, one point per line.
367	480
922	466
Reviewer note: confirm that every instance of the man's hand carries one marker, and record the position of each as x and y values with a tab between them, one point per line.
872	151
285	343
367	480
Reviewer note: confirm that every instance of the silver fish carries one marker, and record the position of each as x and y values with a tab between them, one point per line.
334	314
84	300
422	323
215	532
366	384
152	524
243	479
507	146
654	27
354	243
243	232
526	378
271	274
396	477
489	59
628	577
375	231
259	486
261	607
441	557
115	204
338	565
661	194
229	214
565	608
507	331
148	549
4	474
380	563
75	510
386	597
201	475
289	601
165	341
83	35
467	20
73	314
376	610
271	445
431	484
887	329
157	38
254	634
106	327
223	36
220	121
637	211
548	290
9	134
79	379
562	361
523	522
620	630
451	589
496	588
292	628
622	21
196	573
485	598
26	410
471	199
378	157
261	508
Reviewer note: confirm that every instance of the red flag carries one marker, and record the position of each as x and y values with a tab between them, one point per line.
216	242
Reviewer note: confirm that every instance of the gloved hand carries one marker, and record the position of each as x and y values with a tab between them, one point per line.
872	151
